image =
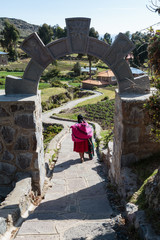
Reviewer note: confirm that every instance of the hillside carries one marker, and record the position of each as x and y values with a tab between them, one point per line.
24	28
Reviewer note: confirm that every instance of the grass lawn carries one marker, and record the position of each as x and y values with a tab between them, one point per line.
47	92
106	92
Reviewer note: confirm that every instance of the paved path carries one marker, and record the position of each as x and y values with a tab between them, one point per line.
75	206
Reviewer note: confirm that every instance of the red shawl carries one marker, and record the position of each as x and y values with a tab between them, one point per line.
81	131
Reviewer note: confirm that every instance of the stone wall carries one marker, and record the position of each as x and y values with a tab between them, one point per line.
21	142
132	141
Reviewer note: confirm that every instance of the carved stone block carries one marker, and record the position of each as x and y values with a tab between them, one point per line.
33	72
35	48
15	85
97	48
77	33
59	48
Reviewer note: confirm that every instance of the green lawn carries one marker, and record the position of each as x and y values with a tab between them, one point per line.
106	92
47	92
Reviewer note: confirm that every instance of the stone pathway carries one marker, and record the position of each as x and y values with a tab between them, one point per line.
75	206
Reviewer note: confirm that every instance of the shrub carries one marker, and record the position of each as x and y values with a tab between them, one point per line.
54	72
77	69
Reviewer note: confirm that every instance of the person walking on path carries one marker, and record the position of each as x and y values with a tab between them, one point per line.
81	136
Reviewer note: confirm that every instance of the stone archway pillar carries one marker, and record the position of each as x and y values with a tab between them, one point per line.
21	140
132	141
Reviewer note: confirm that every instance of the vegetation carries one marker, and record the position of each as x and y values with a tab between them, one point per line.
107	92
10	38
145	170
153	103
50	132
102	112
45	32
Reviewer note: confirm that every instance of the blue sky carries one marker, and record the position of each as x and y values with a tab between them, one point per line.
112	16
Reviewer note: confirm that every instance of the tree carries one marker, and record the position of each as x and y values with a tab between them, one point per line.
140	53
93	33
77	69
59	32
10	38
154	101
45	33
107	38
128	34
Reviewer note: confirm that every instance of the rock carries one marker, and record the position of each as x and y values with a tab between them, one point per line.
131	209
7	156
22	143
25	121
8	133
23	160
3	225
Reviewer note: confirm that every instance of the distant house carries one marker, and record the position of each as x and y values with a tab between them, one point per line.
3	58
90	84
107	76
86	70
104	79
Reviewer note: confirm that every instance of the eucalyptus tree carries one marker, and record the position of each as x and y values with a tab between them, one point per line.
10	36
45	32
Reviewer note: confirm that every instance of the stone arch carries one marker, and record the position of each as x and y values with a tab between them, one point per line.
77	41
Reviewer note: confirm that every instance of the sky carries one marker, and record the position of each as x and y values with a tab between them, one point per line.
111	16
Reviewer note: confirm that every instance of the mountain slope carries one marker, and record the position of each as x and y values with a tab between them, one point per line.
24	28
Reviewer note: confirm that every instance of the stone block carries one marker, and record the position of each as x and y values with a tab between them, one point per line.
25	121
22	143
15	85
7	156
23	160
33	72
3	112
35	48
10	215
132	134
77	33
119	49
1	147
16	107
4	179
7	168
97	48
3	225
7	133
131	209
37	228
128	159
59	48
5	190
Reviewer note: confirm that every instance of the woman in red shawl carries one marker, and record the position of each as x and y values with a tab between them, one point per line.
81	132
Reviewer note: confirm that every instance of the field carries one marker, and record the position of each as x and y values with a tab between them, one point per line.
99	109
48	92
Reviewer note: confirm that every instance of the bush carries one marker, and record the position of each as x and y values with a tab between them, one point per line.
56	83
51	74
77	69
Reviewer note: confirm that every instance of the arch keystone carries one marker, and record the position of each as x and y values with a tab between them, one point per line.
77	33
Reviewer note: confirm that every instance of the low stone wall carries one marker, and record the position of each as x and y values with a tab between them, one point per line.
21	141
132	141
